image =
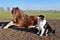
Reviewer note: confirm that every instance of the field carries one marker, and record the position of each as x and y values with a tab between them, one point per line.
53	18
53	15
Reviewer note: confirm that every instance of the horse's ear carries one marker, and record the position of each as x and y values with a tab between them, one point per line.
12	8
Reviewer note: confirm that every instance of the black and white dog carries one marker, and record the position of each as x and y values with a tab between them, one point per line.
43	26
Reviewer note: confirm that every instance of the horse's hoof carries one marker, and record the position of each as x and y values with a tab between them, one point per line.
4	27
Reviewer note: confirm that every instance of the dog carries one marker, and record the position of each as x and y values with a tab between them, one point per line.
43	26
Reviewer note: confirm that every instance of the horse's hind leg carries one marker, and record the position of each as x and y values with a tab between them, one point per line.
8	25
31	27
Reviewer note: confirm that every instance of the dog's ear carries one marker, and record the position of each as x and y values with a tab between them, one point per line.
42	17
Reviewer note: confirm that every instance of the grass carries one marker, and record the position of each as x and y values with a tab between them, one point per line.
48	15
5	14
51	15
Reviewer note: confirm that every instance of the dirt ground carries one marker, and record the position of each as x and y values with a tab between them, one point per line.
29	34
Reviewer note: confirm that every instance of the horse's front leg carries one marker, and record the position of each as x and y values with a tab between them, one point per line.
8	25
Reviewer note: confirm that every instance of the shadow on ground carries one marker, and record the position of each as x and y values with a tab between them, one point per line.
32	30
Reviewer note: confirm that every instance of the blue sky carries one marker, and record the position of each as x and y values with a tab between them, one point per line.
32	4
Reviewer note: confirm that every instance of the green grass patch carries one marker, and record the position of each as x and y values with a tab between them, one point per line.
51	15
5	14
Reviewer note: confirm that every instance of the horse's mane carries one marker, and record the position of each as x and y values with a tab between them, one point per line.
20	12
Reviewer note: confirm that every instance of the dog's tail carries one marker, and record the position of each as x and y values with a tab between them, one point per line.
53	31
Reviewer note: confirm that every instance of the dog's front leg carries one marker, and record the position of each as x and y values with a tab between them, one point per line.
42	31
38	30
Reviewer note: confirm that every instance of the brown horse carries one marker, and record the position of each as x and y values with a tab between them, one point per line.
21	20
17	14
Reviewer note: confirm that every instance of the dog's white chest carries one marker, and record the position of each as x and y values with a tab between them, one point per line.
40	23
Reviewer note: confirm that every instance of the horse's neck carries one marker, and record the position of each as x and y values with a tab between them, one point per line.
21	14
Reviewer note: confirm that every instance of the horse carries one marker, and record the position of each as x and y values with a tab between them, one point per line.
21	20
28	22
17	13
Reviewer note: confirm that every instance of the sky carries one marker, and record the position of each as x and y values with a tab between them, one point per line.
32	4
